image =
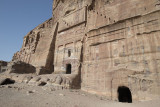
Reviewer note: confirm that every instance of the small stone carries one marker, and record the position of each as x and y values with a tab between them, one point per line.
9	86
83	95
61	94
1	86
41	83
33	91
52	89
28	92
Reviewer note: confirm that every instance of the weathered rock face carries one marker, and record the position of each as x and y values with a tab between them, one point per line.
122	48
20	68
3	66
111	45
36	46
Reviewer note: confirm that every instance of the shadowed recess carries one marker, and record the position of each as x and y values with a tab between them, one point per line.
68	69
7	81
124	94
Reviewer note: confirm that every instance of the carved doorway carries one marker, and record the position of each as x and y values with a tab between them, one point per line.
124	94
68	68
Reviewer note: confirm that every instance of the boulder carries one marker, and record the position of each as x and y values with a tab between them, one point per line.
58	80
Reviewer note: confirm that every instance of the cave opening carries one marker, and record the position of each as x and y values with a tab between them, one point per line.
8	81
124	94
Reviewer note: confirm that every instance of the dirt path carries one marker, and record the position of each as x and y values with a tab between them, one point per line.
20	95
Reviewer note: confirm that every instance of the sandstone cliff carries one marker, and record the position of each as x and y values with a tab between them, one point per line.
111	45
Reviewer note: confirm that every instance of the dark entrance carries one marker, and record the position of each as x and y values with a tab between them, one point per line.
68	68
124	94
69	53
7	81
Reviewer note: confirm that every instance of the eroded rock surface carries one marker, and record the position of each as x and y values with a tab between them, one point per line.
3	66
99	46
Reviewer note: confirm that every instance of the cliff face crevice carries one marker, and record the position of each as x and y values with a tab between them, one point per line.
121	46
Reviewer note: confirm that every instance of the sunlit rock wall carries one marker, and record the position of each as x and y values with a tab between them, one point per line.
107	43
122	48
36	45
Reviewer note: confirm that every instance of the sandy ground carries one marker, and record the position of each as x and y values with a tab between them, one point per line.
20	95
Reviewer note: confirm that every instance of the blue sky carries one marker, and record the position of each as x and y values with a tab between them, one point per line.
17	18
